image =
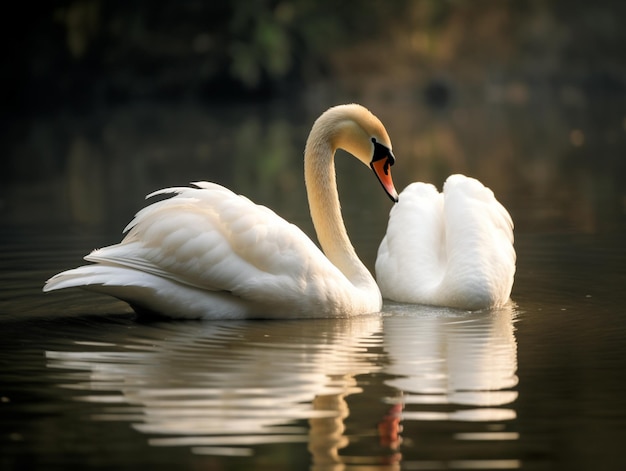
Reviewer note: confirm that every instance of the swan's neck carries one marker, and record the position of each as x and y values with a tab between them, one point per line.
319	175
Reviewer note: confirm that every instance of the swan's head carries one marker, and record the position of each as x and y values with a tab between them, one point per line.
356	130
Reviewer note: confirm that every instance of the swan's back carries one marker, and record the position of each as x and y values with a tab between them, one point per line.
451	249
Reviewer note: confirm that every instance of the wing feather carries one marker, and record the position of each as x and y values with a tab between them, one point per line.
209	237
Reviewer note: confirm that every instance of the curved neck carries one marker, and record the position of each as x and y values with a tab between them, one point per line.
321	184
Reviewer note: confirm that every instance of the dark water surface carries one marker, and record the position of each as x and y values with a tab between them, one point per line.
536	385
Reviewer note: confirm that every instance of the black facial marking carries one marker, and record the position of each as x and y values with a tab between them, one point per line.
382	152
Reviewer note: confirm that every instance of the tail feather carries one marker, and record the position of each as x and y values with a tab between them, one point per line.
152	294
98	275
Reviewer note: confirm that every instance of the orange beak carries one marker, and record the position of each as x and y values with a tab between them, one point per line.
382	169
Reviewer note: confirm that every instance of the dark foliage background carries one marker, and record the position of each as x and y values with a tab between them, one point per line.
85	53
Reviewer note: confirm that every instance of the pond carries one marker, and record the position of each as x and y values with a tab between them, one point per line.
537	384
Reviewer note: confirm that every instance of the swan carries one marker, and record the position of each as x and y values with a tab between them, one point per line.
452	249
208	253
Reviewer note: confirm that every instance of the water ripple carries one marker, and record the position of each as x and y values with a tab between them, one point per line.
226	387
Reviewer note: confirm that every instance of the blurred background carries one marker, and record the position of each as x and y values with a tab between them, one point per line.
106	101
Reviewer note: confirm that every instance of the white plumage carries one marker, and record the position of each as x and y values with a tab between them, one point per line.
209	253
453	248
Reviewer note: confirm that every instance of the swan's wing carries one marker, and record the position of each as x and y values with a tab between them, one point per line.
210	238
479	243
480	204
410	262
475	220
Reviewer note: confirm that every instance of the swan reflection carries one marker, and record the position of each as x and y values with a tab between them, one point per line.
222	387
454	367
351	389
454	357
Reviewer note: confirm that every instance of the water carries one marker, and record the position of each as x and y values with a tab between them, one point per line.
536	385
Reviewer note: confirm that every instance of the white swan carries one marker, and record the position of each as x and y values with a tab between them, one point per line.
209	253
453	248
